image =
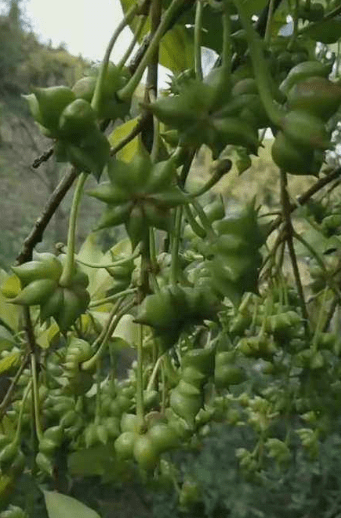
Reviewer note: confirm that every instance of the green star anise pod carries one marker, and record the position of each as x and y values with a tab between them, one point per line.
139	195
197	112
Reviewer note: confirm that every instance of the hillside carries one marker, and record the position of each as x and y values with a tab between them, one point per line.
25	63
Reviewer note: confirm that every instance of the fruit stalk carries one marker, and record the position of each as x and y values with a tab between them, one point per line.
136	37
71	239
175	245
96	99
39	431
197	40
125	93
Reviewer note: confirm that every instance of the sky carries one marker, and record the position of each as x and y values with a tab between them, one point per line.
85	26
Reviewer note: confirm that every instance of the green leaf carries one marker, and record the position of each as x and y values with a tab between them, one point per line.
254	6
328	31
10	361
63	506
176	47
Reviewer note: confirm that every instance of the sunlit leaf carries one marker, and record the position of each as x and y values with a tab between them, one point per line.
129	151
123	247
11	287
46	336
10	361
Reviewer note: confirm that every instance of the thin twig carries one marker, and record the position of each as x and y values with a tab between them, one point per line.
322	182
332	187
43	158
134	132
305	197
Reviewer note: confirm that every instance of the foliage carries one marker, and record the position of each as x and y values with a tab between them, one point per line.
24	62
230	312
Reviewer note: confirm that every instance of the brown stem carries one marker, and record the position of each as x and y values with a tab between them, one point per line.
322	182
36	234
286	208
